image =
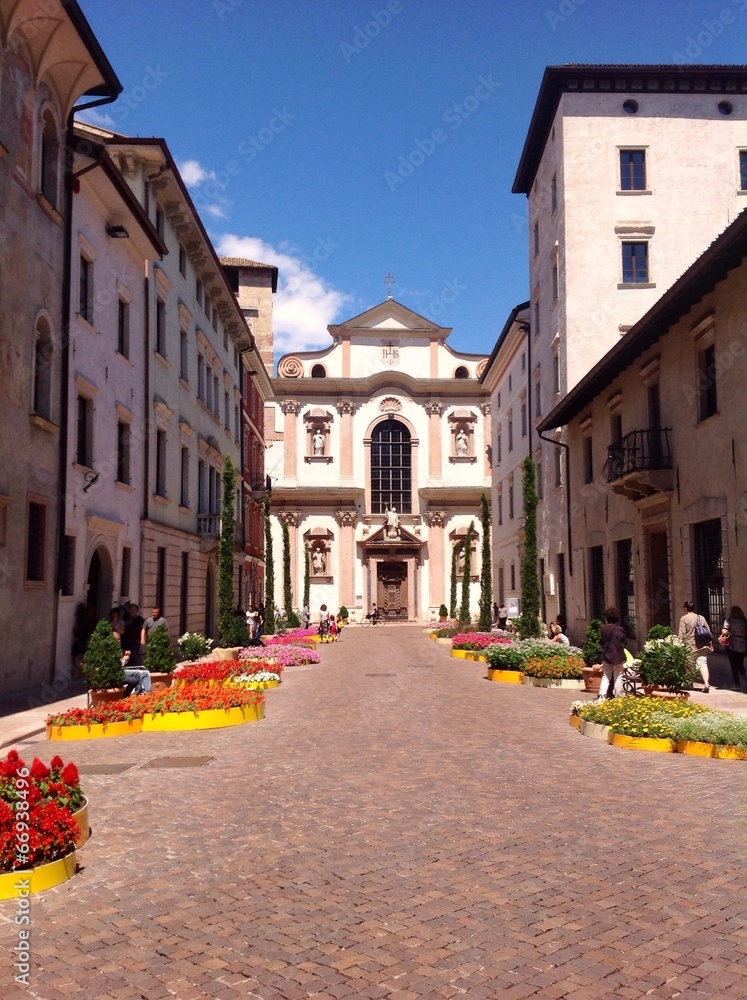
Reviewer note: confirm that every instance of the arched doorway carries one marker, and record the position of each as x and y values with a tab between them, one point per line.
99	587
210	601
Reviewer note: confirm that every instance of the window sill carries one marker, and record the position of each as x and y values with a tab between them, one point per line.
322	579
625	194
162	500
123	357
184	383
126	487
82	468
34	584
160	357
49	209
184	509
709	417
42	422
463	459
321	459
636	284
86	324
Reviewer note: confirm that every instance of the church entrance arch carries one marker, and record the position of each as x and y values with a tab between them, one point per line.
99	586
391	589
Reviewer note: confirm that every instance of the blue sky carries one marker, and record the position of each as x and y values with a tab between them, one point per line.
346	140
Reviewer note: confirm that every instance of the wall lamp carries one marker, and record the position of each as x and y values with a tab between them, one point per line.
117	232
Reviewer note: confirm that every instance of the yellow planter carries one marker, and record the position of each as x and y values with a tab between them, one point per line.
40	878
255	685
476	657
212	718
505	676
460	654
81	818
95	731
695	748
641	743
731	753
575	721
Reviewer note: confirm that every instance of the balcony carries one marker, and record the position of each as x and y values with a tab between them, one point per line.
209	528
639	465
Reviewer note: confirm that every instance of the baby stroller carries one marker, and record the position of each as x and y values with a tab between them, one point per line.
631	679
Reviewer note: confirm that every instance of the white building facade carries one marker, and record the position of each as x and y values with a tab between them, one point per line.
378	455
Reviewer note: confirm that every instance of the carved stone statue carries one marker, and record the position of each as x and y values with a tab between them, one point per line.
462	442
392	522
318	442
318	562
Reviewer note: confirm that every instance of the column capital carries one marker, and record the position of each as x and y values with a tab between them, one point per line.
346	406
436	518
290	405
291	517
346	518
434	409
485	409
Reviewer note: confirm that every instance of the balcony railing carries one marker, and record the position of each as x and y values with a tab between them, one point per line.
639	451
209	525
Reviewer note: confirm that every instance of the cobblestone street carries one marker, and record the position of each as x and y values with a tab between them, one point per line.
397	826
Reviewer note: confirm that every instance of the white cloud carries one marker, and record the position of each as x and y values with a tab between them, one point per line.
96	117
304	304
193	173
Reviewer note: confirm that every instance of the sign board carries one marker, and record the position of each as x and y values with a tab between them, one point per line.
512	606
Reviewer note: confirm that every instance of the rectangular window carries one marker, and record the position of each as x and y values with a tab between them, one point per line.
227	412
500	508
536	319
161	327
84	432
510	432
85	290
123	452
184	479
635	263
161	463
536	239
498	447
184	356
67	583
707	400
523	418
743	169
201	487
198	290
555	282
556	372
124	583
236	424
513	577
160	222
511	498
182	261
558	466
588	460
216	396
391	468
510	383
538	398
200	377
540	482
632	170
554	195
209	387
625	584
596	581
36	542
160	577
123	328
708	584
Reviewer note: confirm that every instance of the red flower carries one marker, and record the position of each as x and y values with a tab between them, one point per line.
39	771
69	774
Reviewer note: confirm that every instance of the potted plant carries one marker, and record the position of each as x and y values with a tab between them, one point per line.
194	645
102	665
159	660
665	665
592	653
443	613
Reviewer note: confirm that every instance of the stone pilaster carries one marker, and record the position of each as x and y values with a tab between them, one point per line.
436	521
346	408
435	412
487	430
290	408
347	520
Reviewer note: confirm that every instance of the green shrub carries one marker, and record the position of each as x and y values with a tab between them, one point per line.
194	645
102	666
666	663
292	620
443	611
592	649
446	633
343	613
718	728
160	657
659	632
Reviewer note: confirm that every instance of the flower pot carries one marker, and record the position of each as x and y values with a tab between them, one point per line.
641	743
553	682
595	730
40	878
575	721
160	680
460	654
652	691
731	753
505	676
695	748
81	818
102	696
592	678
95	731
211	718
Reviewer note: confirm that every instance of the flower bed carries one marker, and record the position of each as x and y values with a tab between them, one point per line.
284	656
651	718
37	826
198	706
472	640
223	670
559	668
256	680
104	720
300	637
504	654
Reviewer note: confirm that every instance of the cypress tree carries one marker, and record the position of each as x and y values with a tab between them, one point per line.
291	618
486	574
464	612
269	624
226	548
306	576
529	622
454	563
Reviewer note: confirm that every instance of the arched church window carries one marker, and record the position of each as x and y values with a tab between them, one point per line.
461	372
318	371
391	468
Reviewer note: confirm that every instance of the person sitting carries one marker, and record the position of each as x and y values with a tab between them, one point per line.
137	679
558	635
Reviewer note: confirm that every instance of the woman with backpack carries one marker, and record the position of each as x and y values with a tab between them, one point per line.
694	631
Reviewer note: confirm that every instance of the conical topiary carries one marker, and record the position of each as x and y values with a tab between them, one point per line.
102	665
160	656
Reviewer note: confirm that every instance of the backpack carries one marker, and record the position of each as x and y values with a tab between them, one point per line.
703	635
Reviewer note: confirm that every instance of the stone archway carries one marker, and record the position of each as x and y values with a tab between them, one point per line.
391	589
99	586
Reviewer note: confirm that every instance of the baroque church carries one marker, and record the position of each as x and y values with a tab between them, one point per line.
378	452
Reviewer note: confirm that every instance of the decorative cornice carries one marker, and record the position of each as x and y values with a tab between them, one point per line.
290	405
390	405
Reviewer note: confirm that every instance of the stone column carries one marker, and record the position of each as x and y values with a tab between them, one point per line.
436	521
293	519
290	408
487	430
346	562
435	412
346	409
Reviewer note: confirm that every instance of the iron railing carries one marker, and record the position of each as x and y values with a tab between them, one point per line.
639	451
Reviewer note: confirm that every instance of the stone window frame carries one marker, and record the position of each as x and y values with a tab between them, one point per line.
321	421
320	539
462	420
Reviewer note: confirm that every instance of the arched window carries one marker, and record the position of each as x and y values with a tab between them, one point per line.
318	371
391	468
43	354
461	372
50	159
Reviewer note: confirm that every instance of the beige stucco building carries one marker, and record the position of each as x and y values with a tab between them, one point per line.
378	454
629	172
658	513
47	64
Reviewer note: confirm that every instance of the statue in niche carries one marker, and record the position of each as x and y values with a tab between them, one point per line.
317	442
391	529
319	561
462	443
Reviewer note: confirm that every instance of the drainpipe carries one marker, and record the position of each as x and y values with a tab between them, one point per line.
66	310
561	444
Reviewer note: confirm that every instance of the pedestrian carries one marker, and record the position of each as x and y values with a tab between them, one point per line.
117	624
306	616
133	627
502	616
613	654
558	635
734	638
691	632
323	622
332	628
496	612
155	621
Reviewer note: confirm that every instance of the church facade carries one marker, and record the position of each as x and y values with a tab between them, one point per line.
378	452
